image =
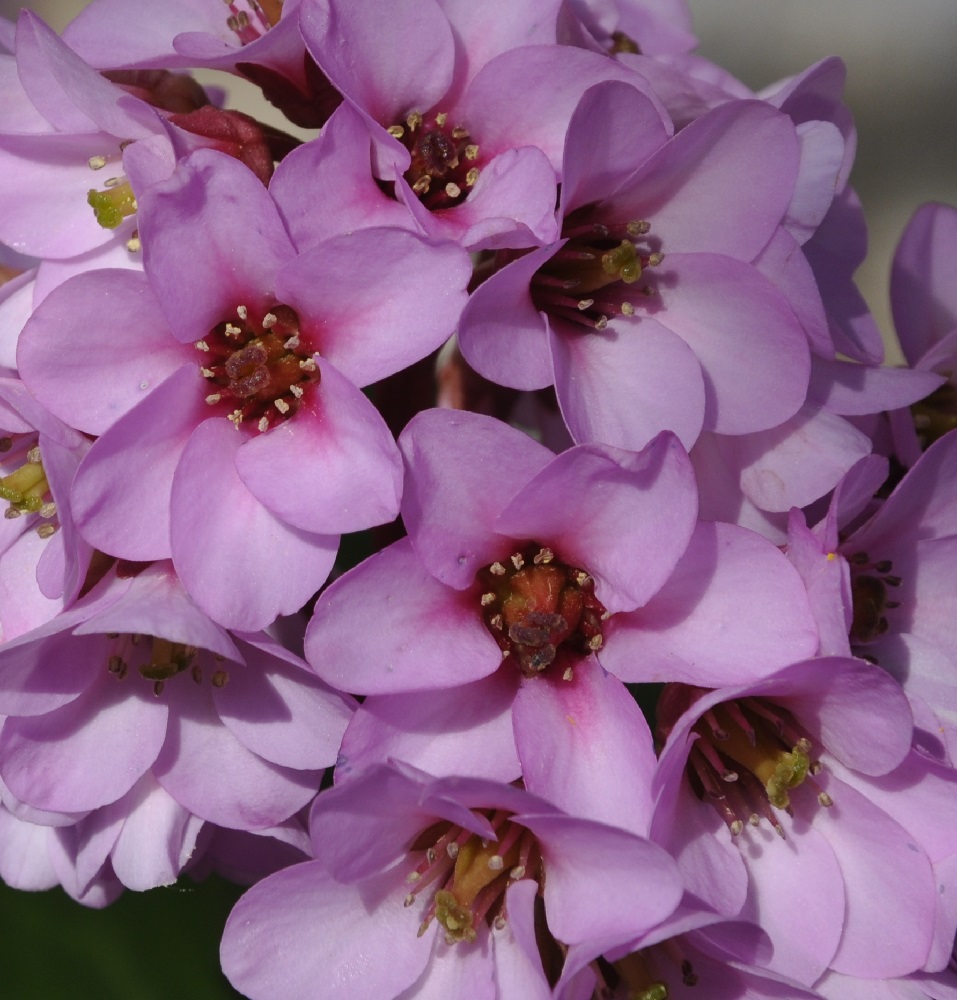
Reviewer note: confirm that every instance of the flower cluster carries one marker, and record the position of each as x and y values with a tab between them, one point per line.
635	675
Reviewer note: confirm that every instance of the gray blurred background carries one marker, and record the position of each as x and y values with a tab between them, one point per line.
902	88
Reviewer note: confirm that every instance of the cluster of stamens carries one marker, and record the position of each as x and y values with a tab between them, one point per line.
444	164
157	660
749	757
257	366
26	489
598	274
534	605
468	874
869	592
253	18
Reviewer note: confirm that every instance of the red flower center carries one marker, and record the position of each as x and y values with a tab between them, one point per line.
257	365
534	605
444	164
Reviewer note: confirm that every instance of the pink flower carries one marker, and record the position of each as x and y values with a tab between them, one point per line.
224	386
422	882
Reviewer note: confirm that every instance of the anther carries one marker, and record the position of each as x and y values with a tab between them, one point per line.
825	800
452	850
269	321
497	569
296	390
219	679
517	560
414	120
487	599
158	688
242	312
452	190
263	424
213	398
45	531
517	872
97	162
134	244
281	405
396	131
441	118
543	555
584	304
292	343
569	674
308	364
201	345
496	863
232	331
472	176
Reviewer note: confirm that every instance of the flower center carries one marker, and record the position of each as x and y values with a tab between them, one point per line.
258	368
869	583
750	755
444	159
638	976
26	489
469	875
598	274
936	415
534	604
251	19
158	660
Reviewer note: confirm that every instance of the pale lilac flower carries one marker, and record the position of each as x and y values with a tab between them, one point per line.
521	566
923	279
628	315
72	177
846	884
421	883
230	371
883	590
43	562
471	148
133	680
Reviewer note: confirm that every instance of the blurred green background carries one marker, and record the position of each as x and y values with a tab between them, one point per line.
158	945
